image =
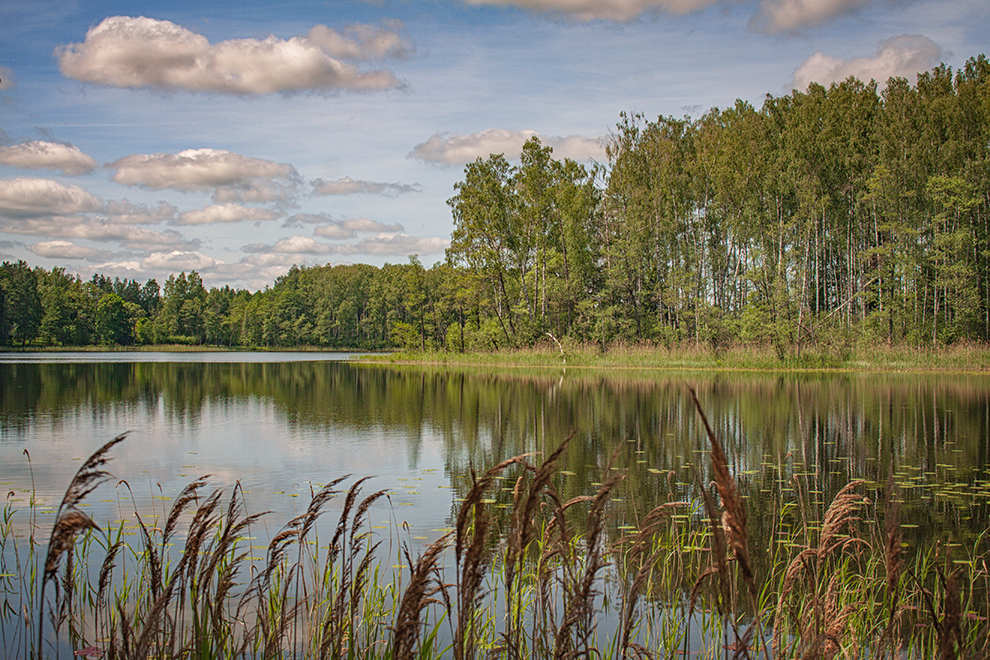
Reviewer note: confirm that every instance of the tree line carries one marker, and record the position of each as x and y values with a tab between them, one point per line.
828	215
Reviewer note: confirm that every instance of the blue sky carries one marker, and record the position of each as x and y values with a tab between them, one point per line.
138	139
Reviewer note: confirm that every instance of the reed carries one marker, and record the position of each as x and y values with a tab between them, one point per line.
549	578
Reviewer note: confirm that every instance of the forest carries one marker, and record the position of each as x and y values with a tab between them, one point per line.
827	216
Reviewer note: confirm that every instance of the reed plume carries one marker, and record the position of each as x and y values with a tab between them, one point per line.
574	636
733	518
470	554
527	499
820	633
950	639
641	556
419	594
69	520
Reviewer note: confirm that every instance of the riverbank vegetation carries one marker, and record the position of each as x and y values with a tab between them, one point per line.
826	219
958	357
525	571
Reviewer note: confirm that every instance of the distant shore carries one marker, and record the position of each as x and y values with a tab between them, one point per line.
951	359
968	358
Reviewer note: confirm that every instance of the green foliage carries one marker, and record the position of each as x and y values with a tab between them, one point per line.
826	217
113	323
21	311
404	335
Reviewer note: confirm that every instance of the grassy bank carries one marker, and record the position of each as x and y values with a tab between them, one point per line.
173	348
955	358
541	578
688	357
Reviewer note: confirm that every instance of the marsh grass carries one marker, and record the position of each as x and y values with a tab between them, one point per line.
547	578
961	357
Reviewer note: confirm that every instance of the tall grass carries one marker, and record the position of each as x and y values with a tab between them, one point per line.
551	578
961	357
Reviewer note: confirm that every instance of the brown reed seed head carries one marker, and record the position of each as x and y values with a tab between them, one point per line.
734	516
950	633
64	536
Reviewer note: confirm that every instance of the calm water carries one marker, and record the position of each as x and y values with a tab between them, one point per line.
284	423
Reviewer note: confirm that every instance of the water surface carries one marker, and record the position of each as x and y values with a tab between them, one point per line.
282	424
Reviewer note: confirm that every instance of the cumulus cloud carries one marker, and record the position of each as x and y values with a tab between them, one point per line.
225	213
232	177
366	225
90	229
386	243
349	186
291	245
7	80
27	198
448	149
339	229
360	42
396	244
345	229
124	213
611	10
37	155
334	231
902	56
142	52
250	263
125	268
775	16
178	260
301	219
62	250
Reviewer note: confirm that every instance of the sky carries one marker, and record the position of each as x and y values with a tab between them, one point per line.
140	139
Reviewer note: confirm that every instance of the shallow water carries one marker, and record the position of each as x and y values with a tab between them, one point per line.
282	424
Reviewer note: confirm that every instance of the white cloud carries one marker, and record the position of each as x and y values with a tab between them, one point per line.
360	42
264	260
349	186
300	219
84	228
334	231
386	243
7	79
257	192
339	229
178	260
124	213
225	213
118	268
344	229
450	149
27	198
366	225
37	155
291	245
62	250
142	52
903	56
792	15
232	177
611	10
396	244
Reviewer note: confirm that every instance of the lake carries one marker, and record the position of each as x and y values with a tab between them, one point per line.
282	424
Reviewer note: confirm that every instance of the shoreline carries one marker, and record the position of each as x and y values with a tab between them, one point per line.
962	360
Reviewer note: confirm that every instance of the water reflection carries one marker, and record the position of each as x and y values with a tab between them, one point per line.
282	427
